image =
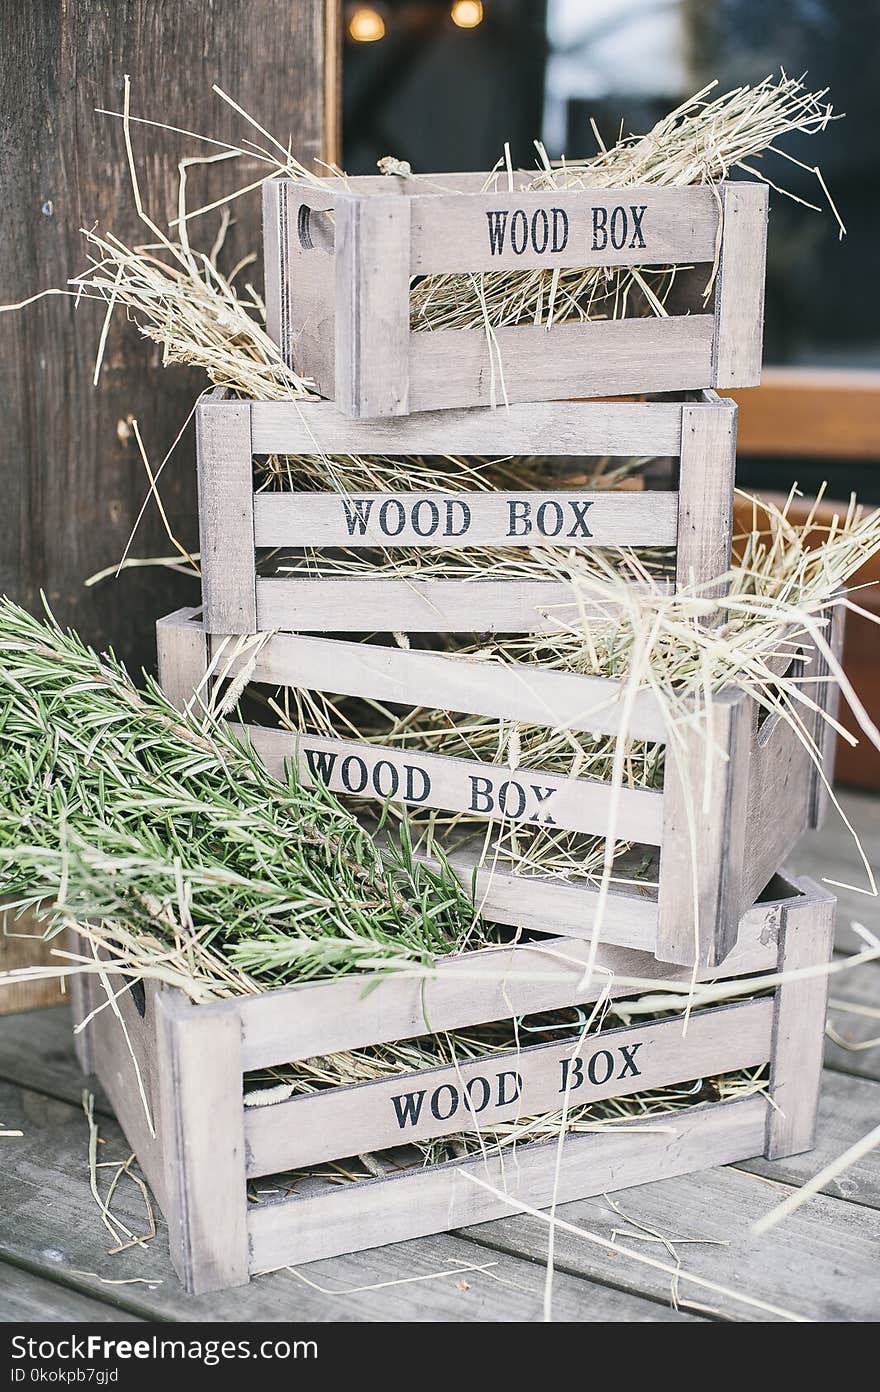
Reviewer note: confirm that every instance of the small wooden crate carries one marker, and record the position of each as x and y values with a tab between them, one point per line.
340	260
201	1146
765	790
695	517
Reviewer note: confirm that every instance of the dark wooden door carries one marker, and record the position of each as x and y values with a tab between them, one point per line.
70	480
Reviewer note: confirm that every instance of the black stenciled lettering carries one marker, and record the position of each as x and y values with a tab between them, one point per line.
619	228
638	239
320	762
544	513
453	1102
579	527
542	795
540	230
519	231
497	220
408	1108
433	517
504	1100
393	779
464	516
572	1068
560	229
504	795
600	229
414	793
593	1067
482	799
352	761
487	1093
357	514
384	513
519	520
630	1068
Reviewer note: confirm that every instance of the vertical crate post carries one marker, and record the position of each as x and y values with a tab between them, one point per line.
372	305
703	848
806	937
182	648
705	494
201	1120
739	289
226	516
827	696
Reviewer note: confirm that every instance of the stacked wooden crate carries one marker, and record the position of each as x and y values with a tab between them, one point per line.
339	267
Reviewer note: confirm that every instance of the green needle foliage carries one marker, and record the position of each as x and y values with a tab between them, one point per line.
163	838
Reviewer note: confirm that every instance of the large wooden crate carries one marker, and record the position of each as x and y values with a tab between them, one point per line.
714	858
200	1146
340	260
696	433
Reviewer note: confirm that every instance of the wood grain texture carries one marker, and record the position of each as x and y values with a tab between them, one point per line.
739	290
549	427
378	1211
372	306
182	650
71	481
454	367
811	413
226	516
705	495
26	1298
22	945
482	1093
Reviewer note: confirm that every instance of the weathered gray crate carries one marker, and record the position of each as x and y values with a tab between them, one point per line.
713	860
694	516
200	1146
340	260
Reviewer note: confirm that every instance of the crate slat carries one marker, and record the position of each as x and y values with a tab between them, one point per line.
739	299
529	797
426	1104
439	1198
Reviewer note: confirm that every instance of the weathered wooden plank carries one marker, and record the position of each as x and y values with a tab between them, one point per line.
198	1064
821	1263
562	229
22	945
455	367
417	606
532	797
598	517
37	1053
379	1211
739	291
26	1299
479	1094
372	306
51	1223
421	678
182	650
617	428
705	494
798	1029
300	279
226	516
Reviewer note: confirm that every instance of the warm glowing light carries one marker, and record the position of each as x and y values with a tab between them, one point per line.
467	14
366	25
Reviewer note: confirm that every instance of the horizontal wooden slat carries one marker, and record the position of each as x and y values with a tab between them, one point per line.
528	796
561	700
599	517
372	1213
481	1093
549	229
811	412
454	367
616	428
353	605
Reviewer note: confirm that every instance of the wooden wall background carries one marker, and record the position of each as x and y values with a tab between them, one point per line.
71	483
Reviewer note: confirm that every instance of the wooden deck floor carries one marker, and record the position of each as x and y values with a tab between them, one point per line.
823	1263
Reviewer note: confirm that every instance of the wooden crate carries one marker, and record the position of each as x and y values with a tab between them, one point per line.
764	787
200	1146
236	522
340	260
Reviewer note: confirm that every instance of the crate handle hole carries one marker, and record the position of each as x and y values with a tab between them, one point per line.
768	720
139	996
304	227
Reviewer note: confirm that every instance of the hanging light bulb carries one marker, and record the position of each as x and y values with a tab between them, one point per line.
365	25
467	14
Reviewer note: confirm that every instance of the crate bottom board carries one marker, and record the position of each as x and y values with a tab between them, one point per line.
458	1193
